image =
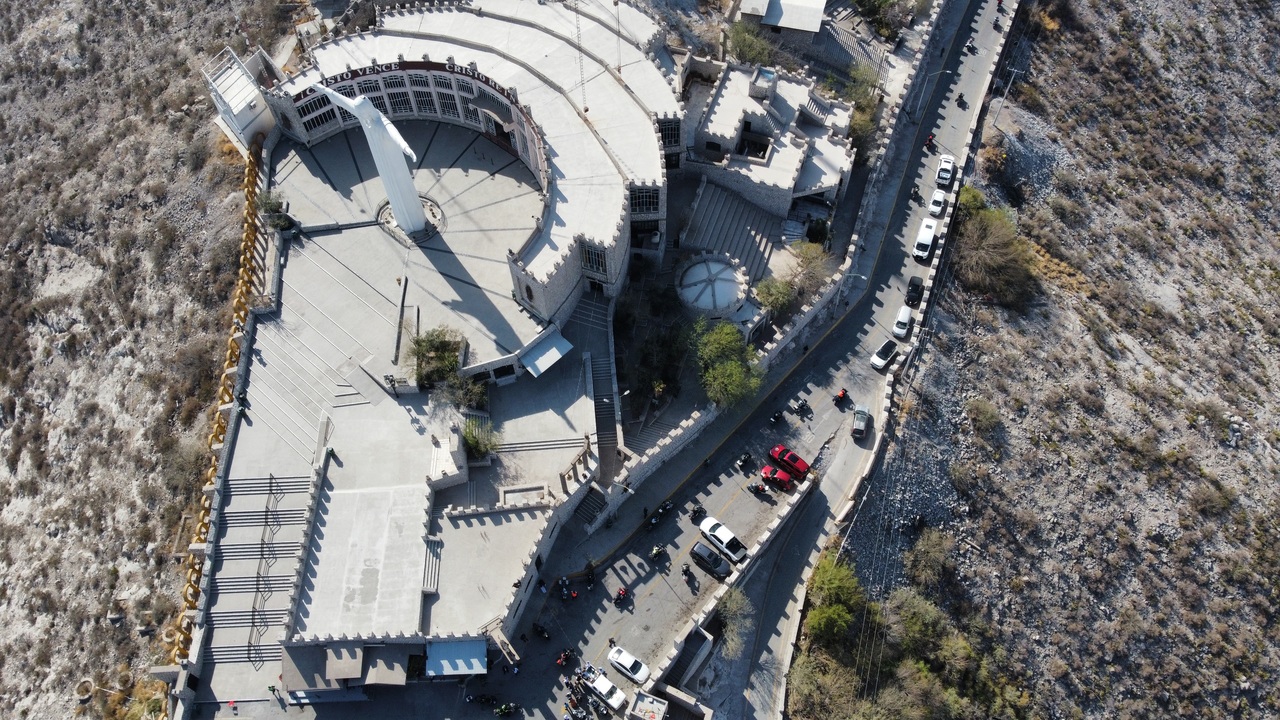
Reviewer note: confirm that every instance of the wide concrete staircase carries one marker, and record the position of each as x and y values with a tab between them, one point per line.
647	437
725	223
591	506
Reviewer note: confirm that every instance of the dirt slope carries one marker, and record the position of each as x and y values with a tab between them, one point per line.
1120	531
120	214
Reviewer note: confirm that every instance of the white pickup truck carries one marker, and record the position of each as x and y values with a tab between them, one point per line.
608	692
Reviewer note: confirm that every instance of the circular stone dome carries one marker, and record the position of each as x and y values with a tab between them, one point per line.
713	285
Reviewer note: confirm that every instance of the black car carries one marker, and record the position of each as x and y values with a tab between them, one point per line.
710	560
915	290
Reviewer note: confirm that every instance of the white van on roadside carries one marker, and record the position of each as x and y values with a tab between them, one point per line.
924	239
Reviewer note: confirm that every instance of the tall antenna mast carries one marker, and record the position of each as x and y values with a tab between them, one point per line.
582	78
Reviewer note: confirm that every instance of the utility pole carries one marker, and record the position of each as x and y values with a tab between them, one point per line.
996	122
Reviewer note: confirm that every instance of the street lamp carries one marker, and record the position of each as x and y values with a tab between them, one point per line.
920	99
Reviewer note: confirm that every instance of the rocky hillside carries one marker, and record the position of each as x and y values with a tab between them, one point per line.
1115	440
121	208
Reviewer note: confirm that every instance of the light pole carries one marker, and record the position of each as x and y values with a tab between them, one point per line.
920	99
1012	78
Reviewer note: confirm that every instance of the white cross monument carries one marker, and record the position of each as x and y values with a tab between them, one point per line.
389	149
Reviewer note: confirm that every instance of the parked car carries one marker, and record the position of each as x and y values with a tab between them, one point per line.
790	461
723	539
924	239
946	171
884	355
710	560
608	692
861	422
777	478
938	203
915	290
902	326
628	665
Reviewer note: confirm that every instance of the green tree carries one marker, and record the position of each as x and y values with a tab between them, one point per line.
747	46
774	294
728	376
730	382
833	583
969	201
828	624
723	342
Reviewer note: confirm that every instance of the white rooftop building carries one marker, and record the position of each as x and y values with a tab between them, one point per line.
544	132
769	136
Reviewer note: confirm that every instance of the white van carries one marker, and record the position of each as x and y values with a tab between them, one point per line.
902	326
924	239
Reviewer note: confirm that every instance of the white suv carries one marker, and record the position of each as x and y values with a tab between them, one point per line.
946	171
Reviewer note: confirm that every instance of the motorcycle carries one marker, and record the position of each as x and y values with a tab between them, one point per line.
970	47
566	658
685	571
656	552
482	699
742	462
591	577
658	514
758	489
960	99
802	406
840	396
698	512
774	418
541	631
564	588
506	709
620	598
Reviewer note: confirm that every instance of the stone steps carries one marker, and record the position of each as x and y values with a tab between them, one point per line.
540	445
243	653
431	573
268	486
256	551
248	618
250	583
591	506
246	518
